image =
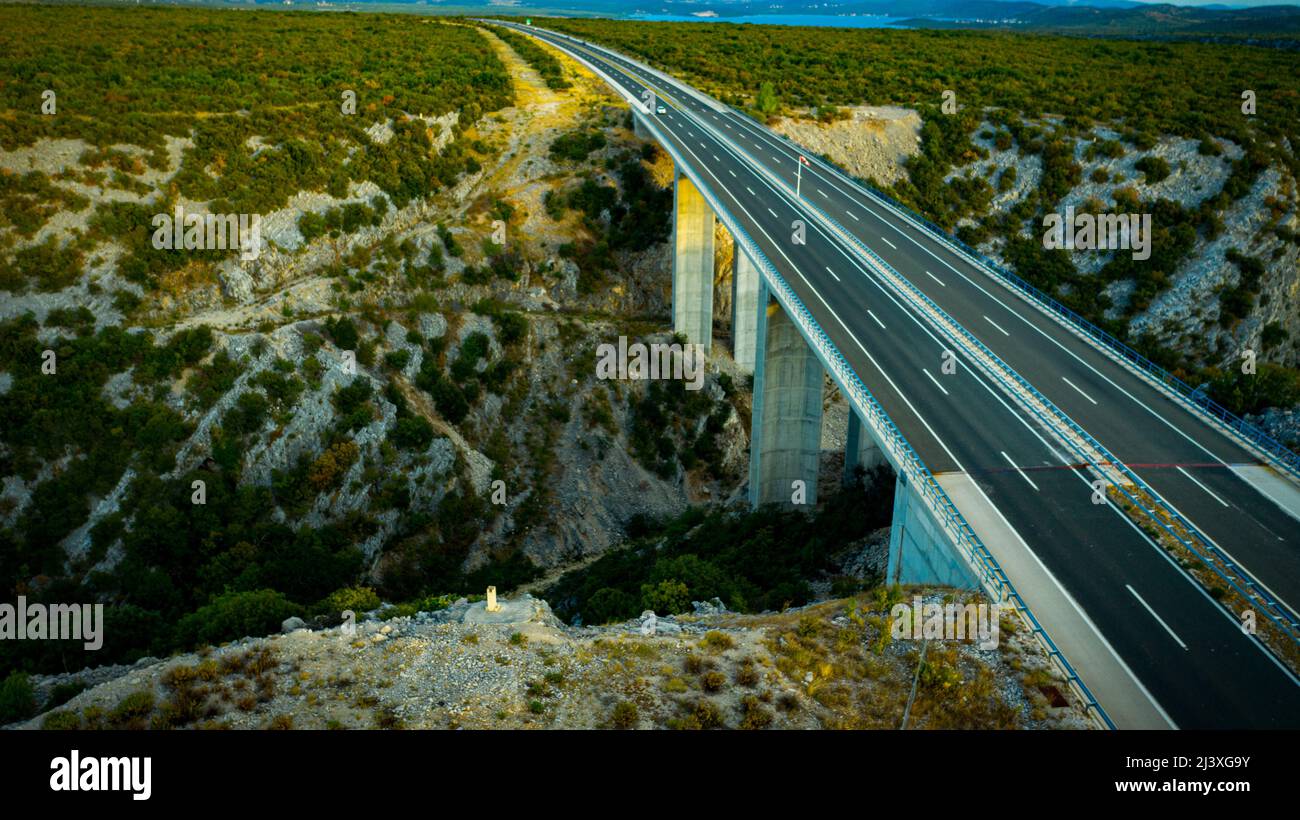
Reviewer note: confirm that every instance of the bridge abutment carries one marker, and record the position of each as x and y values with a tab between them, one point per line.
786	425
920	552
692	263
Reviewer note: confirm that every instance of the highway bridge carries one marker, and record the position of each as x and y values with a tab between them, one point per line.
1018	433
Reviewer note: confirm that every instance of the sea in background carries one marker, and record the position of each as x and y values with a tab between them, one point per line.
833	20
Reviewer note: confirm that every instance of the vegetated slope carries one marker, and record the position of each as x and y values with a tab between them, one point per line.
1045	122
225	442
833	665
215	82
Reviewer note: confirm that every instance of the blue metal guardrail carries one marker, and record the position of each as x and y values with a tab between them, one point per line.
1194	398
941	505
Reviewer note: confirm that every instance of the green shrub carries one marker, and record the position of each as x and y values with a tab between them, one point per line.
668	597
357	599
412	433
17	699
625	715
236	615
61	721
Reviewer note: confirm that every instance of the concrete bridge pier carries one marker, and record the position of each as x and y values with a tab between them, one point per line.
786	423
920	552
745	283
692	263
860	449
639	128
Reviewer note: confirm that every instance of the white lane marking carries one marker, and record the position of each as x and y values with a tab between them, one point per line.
850	213
1080	392
887	242
715	158
936	381
935	278
995	324
832	273
1203	487
1159	620
873	316
733	173
702	145
1018	470
751	191
772	212
823	193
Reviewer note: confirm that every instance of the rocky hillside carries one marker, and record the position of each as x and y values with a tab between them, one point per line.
399	393
829	665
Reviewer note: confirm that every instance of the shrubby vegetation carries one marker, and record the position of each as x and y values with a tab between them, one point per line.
753	561
223	79
639	217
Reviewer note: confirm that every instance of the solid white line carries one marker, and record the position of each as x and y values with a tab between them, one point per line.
935	278
832	273
873	316
936	381
1160	620
995	324
1203	487
1018	470
887	242
1076	387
